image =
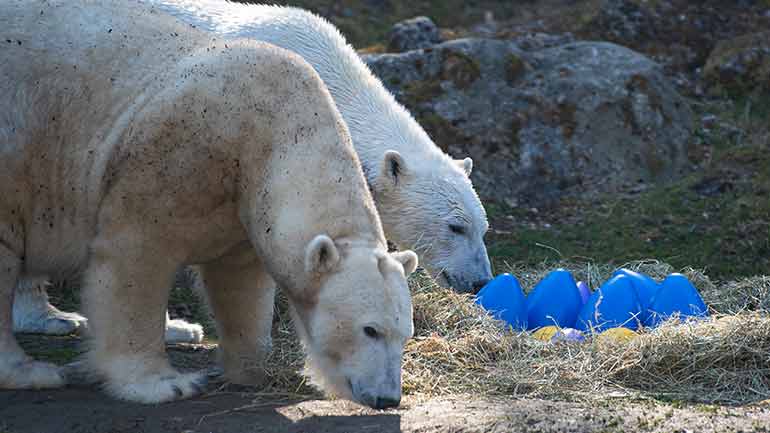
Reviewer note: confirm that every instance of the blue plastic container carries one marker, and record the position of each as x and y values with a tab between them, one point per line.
555	300
584	290
614	304
645	287
504	298
676	296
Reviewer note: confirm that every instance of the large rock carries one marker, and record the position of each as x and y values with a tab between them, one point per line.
413	34
678	33
572	118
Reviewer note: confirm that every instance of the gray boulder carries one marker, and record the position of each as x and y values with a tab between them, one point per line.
413	34
575	118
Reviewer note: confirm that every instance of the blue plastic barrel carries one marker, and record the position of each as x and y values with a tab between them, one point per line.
614	304
555	300
676	296
504	298
645	287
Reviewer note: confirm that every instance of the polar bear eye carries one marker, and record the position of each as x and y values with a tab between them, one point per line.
457	229
371	332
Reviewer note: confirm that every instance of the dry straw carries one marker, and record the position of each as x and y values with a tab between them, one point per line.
459	349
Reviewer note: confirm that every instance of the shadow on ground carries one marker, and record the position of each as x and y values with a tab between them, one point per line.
88	410
221	410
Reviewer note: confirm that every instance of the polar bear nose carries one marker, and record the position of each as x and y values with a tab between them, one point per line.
478	285
386	402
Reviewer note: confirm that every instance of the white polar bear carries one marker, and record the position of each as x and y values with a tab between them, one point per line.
424	198
131	145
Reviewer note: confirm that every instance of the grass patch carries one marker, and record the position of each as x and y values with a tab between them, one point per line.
717	218
61	356
727	233
186	304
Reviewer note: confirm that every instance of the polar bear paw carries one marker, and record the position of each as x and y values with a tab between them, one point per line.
29	374
33	314
179	331
50	322
159	388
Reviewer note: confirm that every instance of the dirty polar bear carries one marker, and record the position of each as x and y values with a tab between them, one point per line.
424	198
131	145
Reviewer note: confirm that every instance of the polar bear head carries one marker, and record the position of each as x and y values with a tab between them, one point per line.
356	323
430	206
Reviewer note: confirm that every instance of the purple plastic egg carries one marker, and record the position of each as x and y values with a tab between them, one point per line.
568	334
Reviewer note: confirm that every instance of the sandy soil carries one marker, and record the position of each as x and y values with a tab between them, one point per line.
86	409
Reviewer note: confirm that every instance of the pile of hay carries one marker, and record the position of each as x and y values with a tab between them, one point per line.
459	349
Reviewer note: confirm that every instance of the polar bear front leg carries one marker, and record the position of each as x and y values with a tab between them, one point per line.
125	293
17	370
33	314
241	297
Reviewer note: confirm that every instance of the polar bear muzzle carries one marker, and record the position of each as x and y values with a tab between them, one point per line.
356	329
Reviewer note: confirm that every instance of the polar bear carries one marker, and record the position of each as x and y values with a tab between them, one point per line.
131	145
425	199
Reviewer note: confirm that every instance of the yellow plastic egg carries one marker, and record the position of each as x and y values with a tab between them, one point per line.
545	333
620	335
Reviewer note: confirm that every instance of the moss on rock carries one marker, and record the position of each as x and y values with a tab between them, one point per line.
460	69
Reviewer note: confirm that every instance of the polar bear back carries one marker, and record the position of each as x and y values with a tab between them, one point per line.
114	76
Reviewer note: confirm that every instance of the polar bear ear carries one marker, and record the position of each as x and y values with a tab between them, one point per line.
393	166
321	255
408	260
466	165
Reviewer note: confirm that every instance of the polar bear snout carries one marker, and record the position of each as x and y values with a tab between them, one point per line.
384	396
356	330
382	402
386	402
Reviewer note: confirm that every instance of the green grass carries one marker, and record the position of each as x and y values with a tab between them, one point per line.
56	355
194	309
725	232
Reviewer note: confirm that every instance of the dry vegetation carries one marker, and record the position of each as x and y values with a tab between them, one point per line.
458	349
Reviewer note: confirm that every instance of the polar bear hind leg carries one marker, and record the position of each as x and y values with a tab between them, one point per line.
17	370
33	314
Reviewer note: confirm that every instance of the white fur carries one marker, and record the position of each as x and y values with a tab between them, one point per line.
180	331
32	313
133	146
149	381
435	190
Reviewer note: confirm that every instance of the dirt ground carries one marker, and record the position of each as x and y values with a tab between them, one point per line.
86	410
